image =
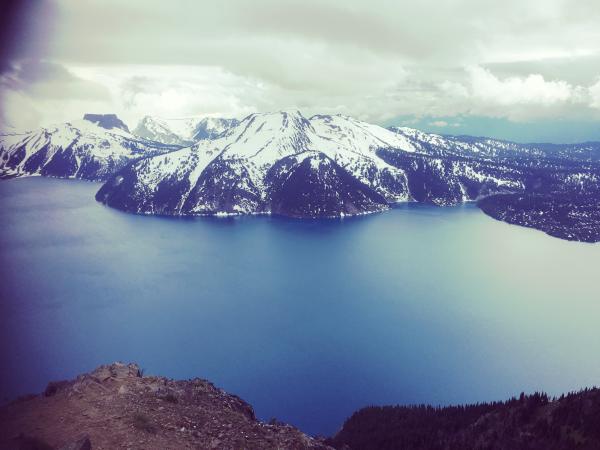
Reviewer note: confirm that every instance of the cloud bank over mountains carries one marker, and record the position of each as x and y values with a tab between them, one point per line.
377	60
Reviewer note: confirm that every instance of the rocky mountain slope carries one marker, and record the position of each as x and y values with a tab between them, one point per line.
115	407
92	149
530	422
183	131
331	166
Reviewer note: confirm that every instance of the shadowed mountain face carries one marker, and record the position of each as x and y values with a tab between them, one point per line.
317	186
531	422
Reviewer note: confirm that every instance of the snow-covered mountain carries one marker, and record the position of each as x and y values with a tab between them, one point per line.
93	148
484	147
279	162
183	131
212	127
326	166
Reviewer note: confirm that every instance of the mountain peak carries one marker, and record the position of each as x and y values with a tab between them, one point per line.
108	121
276	115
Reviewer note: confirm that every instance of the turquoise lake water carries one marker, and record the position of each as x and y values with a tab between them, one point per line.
306	320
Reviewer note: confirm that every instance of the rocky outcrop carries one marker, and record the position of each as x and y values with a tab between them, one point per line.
108	121
116	406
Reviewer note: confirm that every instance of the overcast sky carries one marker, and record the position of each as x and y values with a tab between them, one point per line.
520	69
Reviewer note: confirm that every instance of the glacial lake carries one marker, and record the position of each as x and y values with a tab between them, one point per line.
306	320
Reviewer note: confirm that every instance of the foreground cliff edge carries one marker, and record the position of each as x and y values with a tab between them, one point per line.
116	406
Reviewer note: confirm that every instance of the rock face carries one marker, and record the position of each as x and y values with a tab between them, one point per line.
91	149
323	166
108	121
116	407
330	166
530	422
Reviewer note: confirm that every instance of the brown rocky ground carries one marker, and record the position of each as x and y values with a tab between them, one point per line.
115	407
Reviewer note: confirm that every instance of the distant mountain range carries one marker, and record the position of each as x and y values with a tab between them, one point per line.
322	166
182	131
92	149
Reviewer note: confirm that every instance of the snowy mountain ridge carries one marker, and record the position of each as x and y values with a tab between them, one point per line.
76	149
182	131
234	173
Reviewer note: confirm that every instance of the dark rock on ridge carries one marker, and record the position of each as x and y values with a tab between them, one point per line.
108	121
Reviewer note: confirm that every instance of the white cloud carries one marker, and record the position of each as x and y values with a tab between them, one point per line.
532	89
439	123
181	91
594	92
35	92
518	98
174	91
374	60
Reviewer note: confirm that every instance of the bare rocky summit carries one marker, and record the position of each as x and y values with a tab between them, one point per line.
116	407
